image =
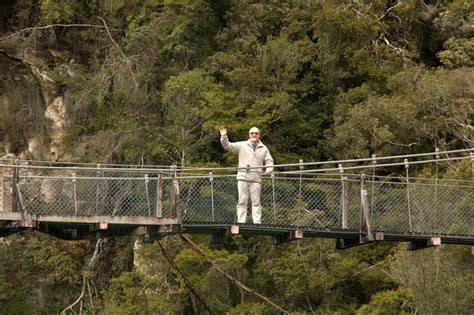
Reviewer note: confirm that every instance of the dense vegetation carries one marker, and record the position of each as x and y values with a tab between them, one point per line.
149	81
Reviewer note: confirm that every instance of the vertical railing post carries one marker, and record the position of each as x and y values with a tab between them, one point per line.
301	177
407	166
472	165
365	226
273	198
159	195
344	198
372	193
15	178
437	156
27	170
1	188
97	187
175	194
300	195
75	193
147	180
25	180
211	181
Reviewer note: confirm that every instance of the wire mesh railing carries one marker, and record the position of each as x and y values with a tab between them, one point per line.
81	192
296	200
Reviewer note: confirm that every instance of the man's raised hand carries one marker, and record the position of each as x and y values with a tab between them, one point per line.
223	130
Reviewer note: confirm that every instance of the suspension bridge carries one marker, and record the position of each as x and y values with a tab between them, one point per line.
352	201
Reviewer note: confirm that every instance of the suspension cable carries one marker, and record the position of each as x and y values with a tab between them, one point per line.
322	170
186	282
164	168
200	252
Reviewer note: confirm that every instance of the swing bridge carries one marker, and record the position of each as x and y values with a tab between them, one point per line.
352	201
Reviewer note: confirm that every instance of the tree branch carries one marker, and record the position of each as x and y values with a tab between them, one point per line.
127	60
389	9
200	252
401	144
397	49
85	281
29	29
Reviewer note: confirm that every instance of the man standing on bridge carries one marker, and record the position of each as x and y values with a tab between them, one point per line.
253	155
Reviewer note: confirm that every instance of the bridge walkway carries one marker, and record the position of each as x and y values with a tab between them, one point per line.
352	201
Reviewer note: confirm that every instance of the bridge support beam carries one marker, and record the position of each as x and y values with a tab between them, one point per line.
287	237
218	238
87	227
344	243
424	243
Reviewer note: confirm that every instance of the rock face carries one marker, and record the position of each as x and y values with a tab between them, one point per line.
56	111
40	68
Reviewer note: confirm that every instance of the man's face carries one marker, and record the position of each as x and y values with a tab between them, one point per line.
254	134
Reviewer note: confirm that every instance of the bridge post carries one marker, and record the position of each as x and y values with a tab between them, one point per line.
74	192
175	196
159	195
211	181
437	157
1	188
301	177
15	186
97	185
407	166
147	181
372	197
344	198
273	198
472	164
365	226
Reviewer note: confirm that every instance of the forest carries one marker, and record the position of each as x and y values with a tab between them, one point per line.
148	82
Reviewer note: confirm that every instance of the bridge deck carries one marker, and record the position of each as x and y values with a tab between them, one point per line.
91	227
84	202
74	227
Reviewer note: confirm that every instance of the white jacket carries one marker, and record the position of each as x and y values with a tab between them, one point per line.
248	157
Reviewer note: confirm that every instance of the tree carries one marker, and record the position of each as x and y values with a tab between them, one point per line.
394	302
192	104
422	110
438	277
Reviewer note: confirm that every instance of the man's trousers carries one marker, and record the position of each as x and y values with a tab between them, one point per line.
246	189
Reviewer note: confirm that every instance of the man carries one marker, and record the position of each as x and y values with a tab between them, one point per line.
253	154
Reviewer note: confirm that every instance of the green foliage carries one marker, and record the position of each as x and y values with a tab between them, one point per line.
458	53
192	102
438	104
438	278
322	79
125	295
394	302
52	267
55	11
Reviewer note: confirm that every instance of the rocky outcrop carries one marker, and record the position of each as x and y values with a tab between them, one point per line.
44	66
